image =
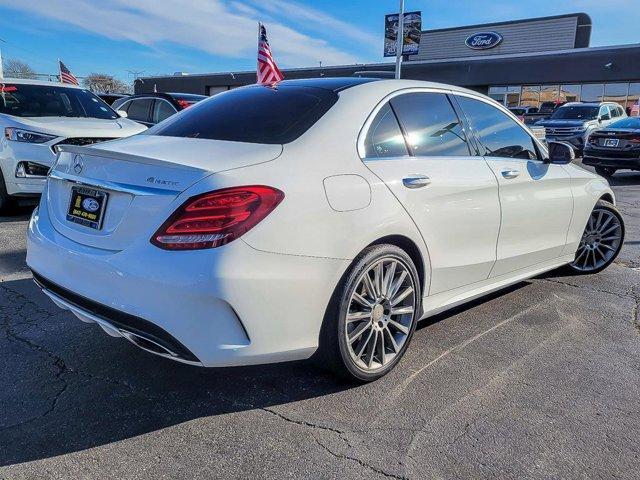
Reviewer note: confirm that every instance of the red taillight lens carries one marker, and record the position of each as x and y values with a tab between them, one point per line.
634	140
184	104
216	218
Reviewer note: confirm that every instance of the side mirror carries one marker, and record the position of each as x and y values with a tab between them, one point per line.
122	113
560	152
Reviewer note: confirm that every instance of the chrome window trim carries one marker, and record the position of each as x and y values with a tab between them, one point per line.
367	124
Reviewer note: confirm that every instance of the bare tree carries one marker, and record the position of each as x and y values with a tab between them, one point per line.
103	83
17	69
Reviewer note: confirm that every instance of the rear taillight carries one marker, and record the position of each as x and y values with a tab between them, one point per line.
634	140
184	104
593	140
216	218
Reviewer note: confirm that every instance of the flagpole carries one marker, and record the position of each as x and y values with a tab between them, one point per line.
400	41
59	72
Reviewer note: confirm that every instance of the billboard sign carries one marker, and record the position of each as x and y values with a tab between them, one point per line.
412	29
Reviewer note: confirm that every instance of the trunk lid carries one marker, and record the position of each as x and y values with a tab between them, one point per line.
141	176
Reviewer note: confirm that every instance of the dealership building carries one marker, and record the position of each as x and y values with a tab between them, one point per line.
521	62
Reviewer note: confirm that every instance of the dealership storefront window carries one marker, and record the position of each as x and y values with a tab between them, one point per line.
533	95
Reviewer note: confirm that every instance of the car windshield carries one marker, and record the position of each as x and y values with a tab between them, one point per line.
25	100
576	112
630	122
256	114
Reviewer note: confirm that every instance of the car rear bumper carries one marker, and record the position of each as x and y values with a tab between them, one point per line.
233	305
622	163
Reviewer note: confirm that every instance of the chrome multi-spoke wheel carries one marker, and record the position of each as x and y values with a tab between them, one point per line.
381	314
372	315
601	240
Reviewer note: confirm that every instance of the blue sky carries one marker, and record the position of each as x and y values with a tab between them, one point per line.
196	36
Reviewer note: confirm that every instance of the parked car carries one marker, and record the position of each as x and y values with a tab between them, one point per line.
520	112
543	112
109	98
249	229
151	108
616	147
35	118
573	122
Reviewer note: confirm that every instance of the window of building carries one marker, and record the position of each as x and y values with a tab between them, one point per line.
498	134
549	93
430	124
616	92
569	93
384	138
592	92
530	96
512	97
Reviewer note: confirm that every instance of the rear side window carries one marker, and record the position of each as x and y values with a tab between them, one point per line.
499	135
430	124
139	109
257	114
384	138
162	110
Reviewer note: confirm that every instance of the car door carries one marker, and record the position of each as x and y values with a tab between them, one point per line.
535	197
417	145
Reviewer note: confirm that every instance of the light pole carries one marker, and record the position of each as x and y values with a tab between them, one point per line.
400	40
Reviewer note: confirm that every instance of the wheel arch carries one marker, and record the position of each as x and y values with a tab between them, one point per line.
412	249
608	197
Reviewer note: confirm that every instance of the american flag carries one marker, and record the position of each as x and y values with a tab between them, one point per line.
65	75
268	71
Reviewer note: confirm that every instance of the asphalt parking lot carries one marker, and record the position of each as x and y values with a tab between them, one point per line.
539	381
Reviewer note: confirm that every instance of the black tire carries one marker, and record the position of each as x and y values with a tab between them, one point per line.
333	352
574	267
605	171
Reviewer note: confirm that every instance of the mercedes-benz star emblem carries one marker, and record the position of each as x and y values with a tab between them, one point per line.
78	164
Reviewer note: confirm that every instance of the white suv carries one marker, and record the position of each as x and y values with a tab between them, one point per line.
35	117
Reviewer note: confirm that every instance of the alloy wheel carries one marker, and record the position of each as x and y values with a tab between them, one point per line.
600	241
381	314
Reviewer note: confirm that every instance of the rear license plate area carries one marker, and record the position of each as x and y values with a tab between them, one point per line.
87	206
611	142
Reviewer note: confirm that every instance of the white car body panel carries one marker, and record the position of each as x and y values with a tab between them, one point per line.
262	298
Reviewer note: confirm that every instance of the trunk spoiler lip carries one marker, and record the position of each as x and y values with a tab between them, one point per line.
127	157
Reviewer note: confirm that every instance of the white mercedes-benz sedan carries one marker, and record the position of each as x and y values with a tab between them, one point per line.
35	118
317	217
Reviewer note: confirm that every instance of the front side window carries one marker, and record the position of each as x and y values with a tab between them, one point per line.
256	114
430	124
26	100
139	109
498	134
384	138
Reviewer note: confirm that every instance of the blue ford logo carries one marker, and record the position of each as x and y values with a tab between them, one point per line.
90	205
483	40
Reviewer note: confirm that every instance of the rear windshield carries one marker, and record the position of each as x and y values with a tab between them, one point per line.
517	111
577	112
256	114
630	122
23	100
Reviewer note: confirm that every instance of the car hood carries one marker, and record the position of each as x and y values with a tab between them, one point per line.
565	123
79	127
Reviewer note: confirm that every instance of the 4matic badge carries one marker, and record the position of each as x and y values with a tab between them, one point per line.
165	183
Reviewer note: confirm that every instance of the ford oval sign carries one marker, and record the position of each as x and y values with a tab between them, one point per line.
90	205
483	40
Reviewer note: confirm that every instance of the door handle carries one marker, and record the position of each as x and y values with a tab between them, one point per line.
416	181
510	173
